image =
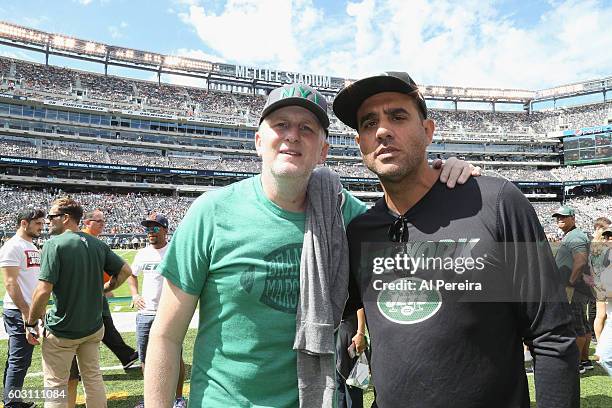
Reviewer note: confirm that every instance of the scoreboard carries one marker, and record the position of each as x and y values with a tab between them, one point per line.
588	146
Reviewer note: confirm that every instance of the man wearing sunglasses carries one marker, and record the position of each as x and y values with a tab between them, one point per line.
20	264
145	263
94	223
451	281
239	251
72	263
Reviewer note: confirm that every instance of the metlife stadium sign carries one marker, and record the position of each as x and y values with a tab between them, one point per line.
272	75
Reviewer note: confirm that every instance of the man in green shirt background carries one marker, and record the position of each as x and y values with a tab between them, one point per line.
572	259
72	267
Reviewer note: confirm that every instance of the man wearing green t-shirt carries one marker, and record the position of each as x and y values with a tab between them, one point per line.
72	264
238	252
572	259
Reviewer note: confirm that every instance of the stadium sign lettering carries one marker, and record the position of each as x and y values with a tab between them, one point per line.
11	96
75	105
15	160
148	114
271	75
175	171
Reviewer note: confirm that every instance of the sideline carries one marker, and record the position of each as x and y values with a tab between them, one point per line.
125	322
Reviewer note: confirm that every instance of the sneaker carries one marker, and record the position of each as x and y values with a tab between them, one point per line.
581	369
529	370
180	403
587	364
140	404
133	360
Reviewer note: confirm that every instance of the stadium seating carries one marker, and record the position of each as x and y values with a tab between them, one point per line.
111	91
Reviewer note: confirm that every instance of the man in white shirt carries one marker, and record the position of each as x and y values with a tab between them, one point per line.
145	263
20	264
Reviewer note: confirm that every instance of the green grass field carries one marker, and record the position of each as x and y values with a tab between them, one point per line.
125	390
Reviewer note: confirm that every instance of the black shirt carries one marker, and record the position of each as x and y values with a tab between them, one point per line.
459	346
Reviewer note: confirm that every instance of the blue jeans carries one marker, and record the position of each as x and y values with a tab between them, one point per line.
143	327
19	354
348	397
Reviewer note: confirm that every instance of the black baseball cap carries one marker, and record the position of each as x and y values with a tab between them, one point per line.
299	95
156	219
350	98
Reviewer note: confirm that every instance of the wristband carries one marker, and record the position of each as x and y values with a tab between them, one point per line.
31	325
32	331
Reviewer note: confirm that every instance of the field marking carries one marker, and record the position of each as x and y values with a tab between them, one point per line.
111	368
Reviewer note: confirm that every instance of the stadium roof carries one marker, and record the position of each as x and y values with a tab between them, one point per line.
59	44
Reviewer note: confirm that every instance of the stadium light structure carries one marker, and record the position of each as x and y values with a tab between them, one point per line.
66	46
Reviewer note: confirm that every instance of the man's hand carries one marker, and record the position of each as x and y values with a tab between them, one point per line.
360	342
455	171
138	301
33	334
110	285
589	280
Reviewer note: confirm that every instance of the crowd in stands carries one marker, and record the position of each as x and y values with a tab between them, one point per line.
588	209
583	173
515	174
575	117
92	153
113	91
123	212
545	211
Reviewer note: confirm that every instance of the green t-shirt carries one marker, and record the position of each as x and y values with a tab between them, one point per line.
73	262
574	242
240	254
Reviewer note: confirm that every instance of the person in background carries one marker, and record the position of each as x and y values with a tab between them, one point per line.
603	319
72	264
20	265
145	263
572	259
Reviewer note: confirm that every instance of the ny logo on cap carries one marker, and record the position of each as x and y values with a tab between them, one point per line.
299	91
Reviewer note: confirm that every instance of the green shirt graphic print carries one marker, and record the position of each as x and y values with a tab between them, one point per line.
240	254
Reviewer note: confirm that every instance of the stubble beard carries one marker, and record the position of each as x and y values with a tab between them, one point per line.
397	173
33	234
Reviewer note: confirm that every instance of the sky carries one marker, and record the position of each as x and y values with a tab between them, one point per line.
520	44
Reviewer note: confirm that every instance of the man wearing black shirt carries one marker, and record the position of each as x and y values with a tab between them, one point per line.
452	281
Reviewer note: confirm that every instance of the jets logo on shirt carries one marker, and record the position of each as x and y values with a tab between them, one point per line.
404	301
149	267
32	258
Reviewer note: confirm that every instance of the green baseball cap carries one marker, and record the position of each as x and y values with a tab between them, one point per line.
564	211
297	95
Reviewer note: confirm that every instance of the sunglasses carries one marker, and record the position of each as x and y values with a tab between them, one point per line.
154	229
52	216
100	221
398	231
